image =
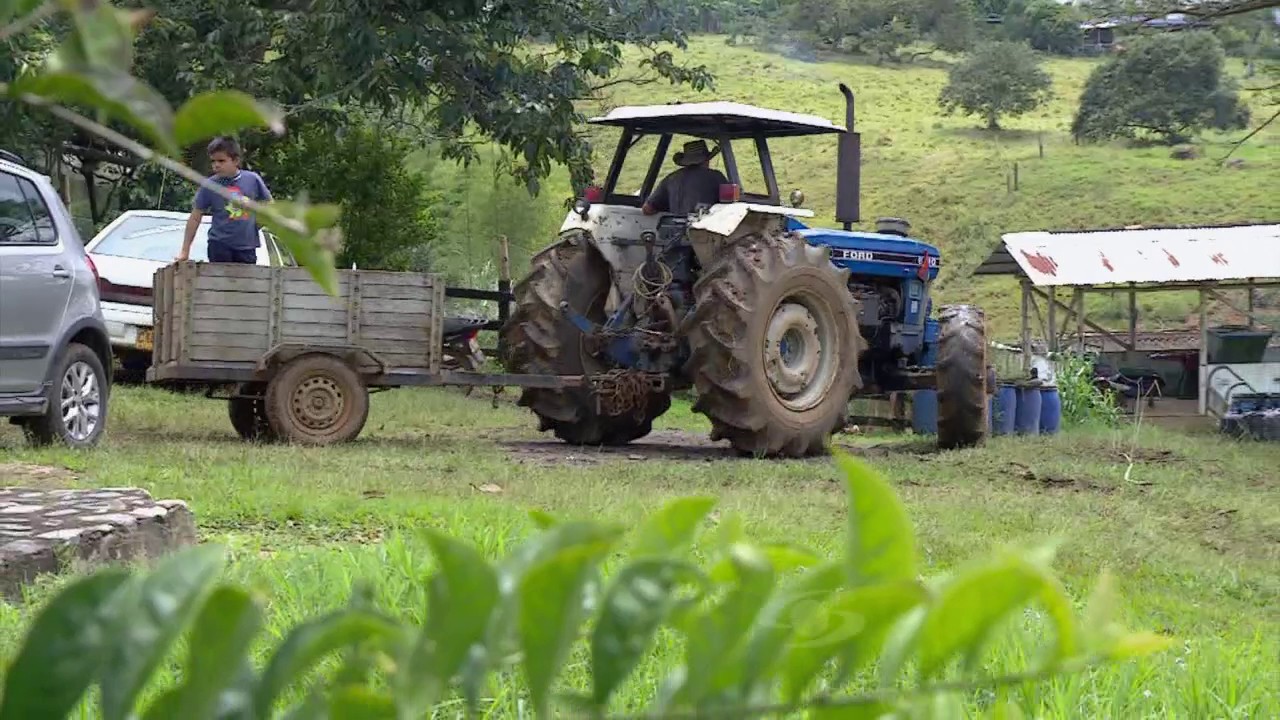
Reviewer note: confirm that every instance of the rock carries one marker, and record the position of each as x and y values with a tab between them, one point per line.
44	531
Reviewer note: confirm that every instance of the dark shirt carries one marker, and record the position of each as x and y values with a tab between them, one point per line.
232	226
683	190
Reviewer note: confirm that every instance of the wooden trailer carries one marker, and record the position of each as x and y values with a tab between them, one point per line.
297	362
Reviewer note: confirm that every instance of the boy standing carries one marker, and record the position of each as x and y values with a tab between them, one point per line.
233	233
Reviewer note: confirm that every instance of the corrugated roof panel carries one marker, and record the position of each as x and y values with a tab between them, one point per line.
1149	255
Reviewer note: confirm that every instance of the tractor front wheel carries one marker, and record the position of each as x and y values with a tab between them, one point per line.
774	346
541	340
961	376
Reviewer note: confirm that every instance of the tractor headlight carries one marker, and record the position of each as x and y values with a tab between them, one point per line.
797	198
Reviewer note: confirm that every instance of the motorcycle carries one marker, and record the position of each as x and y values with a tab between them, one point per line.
461	346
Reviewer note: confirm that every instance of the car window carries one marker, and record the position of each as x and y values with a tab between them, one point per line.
24	217
160	242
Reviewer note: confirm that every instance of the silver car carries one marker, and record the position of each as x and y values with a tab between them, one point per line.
55	357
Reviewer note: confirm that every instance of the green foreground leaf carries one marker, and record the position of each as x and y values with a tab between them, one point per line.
310	642
672	527
881	542
63	651
151	613
220	641
223	112
461	598
551	608
310	233
116	94
970	606
638	601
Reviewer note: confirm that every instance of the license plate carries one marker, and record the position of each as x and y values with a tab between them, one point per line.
146	338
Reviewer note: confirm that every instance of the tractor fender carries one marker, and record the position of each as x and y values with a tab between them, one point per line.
724	220
723	224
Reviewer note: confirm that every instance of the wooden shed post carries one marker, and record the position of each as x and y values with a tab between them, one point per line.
504	287
1053	318
1133	318
1204	352
1026	324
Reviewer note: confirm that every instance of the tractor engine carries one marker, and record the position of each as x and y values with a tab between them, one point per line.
889	276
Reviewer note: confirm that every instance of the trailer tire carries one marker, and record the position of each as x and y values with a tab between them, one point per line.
763	296
249	414
962	375
539	339
316	399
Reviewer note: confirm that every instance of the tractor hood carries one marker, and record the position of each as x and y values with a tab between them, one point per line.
872	253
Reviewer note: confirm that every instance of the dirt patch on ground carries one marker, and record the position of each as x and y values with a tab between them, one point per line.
676	445
38	477
658	445
1050	481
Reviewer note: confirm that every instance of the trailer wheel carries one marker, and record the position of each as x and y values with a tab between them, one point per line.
249	414
317	399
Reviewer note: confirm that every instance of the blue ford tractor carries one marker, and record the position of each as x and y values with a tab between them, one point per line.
775	325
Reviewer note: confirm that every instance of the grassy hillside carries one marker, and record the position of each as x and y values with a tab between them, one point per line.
944	174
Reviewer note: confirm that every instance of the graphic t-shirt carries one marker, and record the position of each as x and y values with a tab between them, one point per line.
232	225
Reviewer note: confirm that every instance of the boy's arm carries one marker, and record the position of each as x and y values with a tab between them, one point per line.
200	207
188	237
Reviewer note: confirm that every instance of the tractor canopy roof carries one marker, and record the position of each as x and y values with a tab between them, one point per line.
715	120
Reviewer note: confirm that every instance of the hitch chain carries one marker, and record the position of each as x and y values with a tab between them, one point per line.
622	391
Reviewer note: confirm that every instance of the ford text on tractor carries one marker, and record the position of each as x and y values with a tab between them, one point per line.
773	324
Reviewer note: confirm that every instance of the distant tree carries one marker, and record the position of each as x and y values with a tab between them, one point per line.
362	167
997	79
1169	86
1046	25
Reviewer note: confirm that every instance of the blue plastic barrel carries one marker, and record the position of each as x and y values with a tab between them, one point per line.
1050	410
1026	419
1006	407
924	412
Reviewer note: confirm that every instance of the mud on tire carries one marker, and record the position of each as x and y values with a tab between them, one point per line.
962	376
762	296
540	340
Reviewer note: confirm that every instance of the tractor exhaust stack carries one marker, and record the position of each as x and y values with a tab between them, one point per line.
848	167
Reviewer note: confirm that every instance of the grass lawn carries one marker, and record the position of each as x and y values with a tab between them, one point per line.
1193	536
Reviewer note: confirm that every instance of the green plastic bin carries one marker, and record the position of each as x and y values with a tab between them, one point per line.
1237	344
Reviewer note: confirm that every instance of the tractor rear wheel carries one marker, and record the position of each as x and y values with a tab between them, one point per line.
541	340
774	346
961	375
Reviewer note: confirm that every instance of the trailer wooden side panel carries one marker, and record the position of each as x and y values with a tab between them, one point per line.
216	313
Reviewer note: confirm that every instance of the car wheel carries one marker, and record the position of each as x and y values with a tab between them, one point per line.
77	410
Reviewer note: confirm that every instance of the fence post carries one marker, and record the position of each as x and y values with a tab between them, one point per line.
504	287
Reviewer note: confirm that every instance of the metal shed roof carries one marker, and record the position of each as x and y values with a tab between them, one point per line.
1139	255
715	119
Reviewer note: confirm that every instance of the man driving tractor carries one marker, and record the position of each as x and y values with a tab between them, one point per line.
695	183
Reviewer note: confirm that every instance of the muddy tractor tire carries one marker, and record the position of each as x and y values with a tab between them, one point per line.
774	346
962	376
539	339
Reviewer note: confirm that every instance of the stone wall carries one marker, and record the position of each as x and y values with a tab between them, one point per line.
50	530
